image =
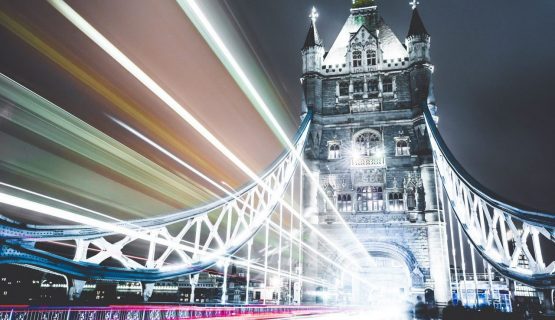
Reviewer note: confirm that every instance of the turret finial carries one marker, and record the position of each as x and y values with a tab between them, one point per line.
363	3
312	38
313	15
413	4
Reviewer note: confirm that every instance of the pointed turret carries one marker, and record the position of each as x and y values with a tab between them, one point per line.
313	50
312	38
416	25
418	38
313	58
418	47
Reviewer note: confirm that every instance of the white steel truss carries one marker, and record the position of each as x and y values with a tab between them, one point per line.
209	237
499	232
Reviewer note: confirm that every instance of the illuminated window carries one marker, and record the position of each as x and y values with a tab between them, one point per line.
402	148
371	58
369	199
367	144
334	151
344	203
357	58
395	201
387	85
344	89
330	195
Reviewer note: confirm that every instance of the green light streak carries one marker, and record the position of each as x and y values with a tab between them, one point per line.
49	121
252	89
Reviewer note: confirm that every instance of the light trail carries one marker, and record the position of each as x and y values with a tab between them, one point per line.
73	217
99	85
100	88
198	312
192	10
60	213
150	84
170	155
236	260
219	186
60	201
49	121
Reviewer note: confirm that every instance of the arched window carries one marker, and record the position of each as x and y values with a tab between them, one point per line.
344	203
369	198
395	201
330	194
334	151
371	58
344	89
357	58
411	200
367	144
402	148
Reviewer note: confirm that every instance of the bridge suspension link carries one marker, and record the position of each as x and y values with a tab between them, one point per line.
203	238
499	231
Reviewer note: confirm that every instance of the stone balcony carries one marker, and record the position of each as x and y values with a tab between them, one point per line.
365	105
368	162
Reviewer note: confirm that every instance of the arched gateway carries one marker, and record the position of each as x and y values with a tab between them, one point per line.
369	147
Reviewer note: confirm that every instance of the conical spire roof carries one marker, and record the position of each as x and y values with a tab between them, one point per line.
416	25
312	38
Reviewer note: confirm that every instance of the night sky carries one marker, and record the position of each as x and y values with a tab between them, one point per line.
493	78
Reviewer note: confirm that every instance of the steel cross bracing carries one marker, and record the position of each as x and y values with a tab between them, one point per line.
22	243
204	236
499	231
146	230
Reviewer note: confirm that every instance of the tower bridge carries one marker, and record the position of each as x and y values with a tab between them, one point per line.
366	207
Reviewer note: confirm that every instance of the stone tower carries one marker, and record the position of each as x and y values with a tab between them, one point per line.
369	148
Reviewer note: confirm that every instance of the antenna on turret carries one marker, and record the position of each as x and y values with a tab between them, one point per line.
413	4
313	15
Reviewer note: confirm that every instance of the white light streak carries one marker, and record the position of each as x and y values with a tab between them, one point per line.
215	184
190	6
77	218
169	154
150	84
60	201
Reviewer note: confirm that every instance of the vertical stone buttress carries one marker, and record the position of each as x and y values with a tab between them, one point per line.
421	69
312	57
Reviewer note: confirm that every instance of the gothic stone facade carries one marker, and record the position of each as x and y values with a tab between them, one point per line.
369	147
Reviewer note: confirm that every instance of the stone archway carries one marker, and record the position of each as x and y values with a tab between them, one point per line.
395	275
399	265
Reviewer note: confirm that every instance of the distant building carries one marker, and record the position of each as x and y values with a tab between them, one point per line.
488	290
21	285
